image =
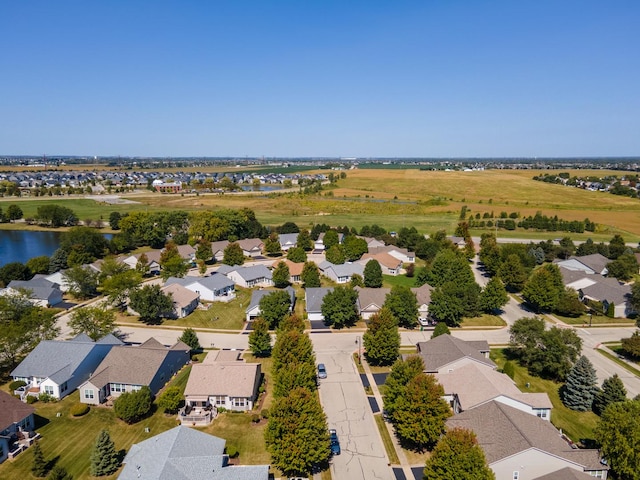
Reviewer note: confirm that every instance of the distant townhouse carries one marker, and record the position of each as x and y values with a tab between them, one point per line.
341	273
590	264
288	241
154	364
217	248
251	247
58	367
595	287
372	242
253	310
214	288
402	254
370	300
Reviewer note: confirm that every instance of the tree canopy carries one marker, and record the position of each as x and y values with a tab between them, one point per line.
339	307
310	275
373	274
618	434
150	303
96	321
403	305
274	307
233	255
260	339
280	275
382	339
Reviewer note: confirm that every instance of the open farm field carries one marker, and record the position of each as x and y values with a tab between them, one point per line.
395	198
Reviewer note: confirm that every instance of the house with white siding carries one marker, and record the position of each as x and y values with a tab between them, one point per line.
214	288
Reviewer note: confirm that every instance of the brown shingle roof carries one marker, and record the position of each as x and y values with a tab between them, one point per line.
180	295
383	259
235	379
566	473
12	410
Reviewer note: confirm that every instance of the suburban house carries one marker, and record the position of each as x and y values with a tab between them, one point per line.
341	273
473	385
16	425
372	242
217	248
457	241
251	247
58	367
153	261
288	240
253	310
295	270
390	265
57	277
446	353
595	287
128	368
370	300
223	379
423	295
521	446
595	263
184	300
187	252
319	243
214	288
567	473
185	454
402	254
41	291
249	277
313	302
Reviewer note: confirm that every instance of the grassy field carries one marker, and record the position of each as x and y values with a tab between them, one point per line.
576	425
393	198
402	280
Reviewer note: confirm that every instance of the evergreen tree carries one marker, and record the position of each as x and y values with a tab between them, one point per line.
104	457
233	255
260	339
441	329
310	275
494	296
581	386
373	274
420	412
281	275
58	260
297	436
58	473
403	305
612	391
190	337
39	465
457	456
382	339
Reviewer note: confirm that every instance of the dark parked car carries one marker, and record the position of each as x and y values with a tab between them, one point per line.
322	371
335	444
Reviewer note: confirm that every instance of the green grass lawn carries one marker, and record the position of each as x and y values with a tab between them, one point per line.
620	362
578	426
484	320
386	440
585	320
393	280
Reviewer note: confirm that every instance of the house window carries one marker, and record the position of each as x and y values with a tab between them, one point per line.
117	387
239	402
597	473
48	389
219	400
541	413
88	394
135	388
516	475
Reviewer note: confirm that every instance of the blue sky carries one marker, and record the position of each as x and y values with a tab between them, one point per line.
430	78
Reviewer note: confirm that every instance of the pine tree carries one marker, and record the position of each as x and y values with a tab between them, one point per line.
190	337
441	329
58	473
310	275
382	340
39	465
457	456
580	388
373	274
612	391
281	275
260	339
104	458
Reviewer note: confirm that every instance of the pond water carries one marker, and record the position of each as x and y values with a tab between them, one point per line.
21	245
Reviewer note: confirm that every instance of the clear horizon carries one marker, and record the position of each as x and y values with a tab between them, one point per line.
459	79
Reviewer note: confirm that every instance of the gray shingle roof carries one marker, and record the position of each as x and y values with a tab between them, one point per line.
12	410
343	270
254	272
596	261
445	349
185	454
40	288
314	296
288	238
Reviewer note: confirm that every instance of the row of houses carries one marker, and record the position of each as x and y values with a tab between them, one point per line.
513	428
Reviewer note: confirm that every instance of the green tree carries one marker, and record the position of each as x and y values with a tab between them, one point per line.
421	412
233	255
402	303
133	406
617	246
580	388
335	255
173	265
297	436
304	240
612	391
457	456
450	266
292	347
489	254
38	264
624	267
295	375
58	260
170	399
39	465
373	274
274	307
104	457
14	271
297	255
356	281
260	339
14	212
569	303
118	287
310	275
190	337
401	373
81	281
339	307
330	239
618	434
542	290
150	303
114	220
291	322
512	273
631	345
447	304
288	227
281	275
59	473
354	247
272	245
85	239
96	321
382	339
441	329
203	250
494	296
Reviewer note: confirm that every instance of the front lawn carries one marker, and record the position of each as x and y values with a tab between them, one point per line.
585	320
484	320
576	425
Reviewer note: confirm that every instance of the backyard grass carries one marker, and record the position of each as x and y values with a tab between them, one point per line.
394	280
484	320
578	426
386	440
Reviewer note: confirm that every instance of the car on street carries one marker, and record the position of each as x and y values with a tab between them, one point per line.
335	443
322	371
